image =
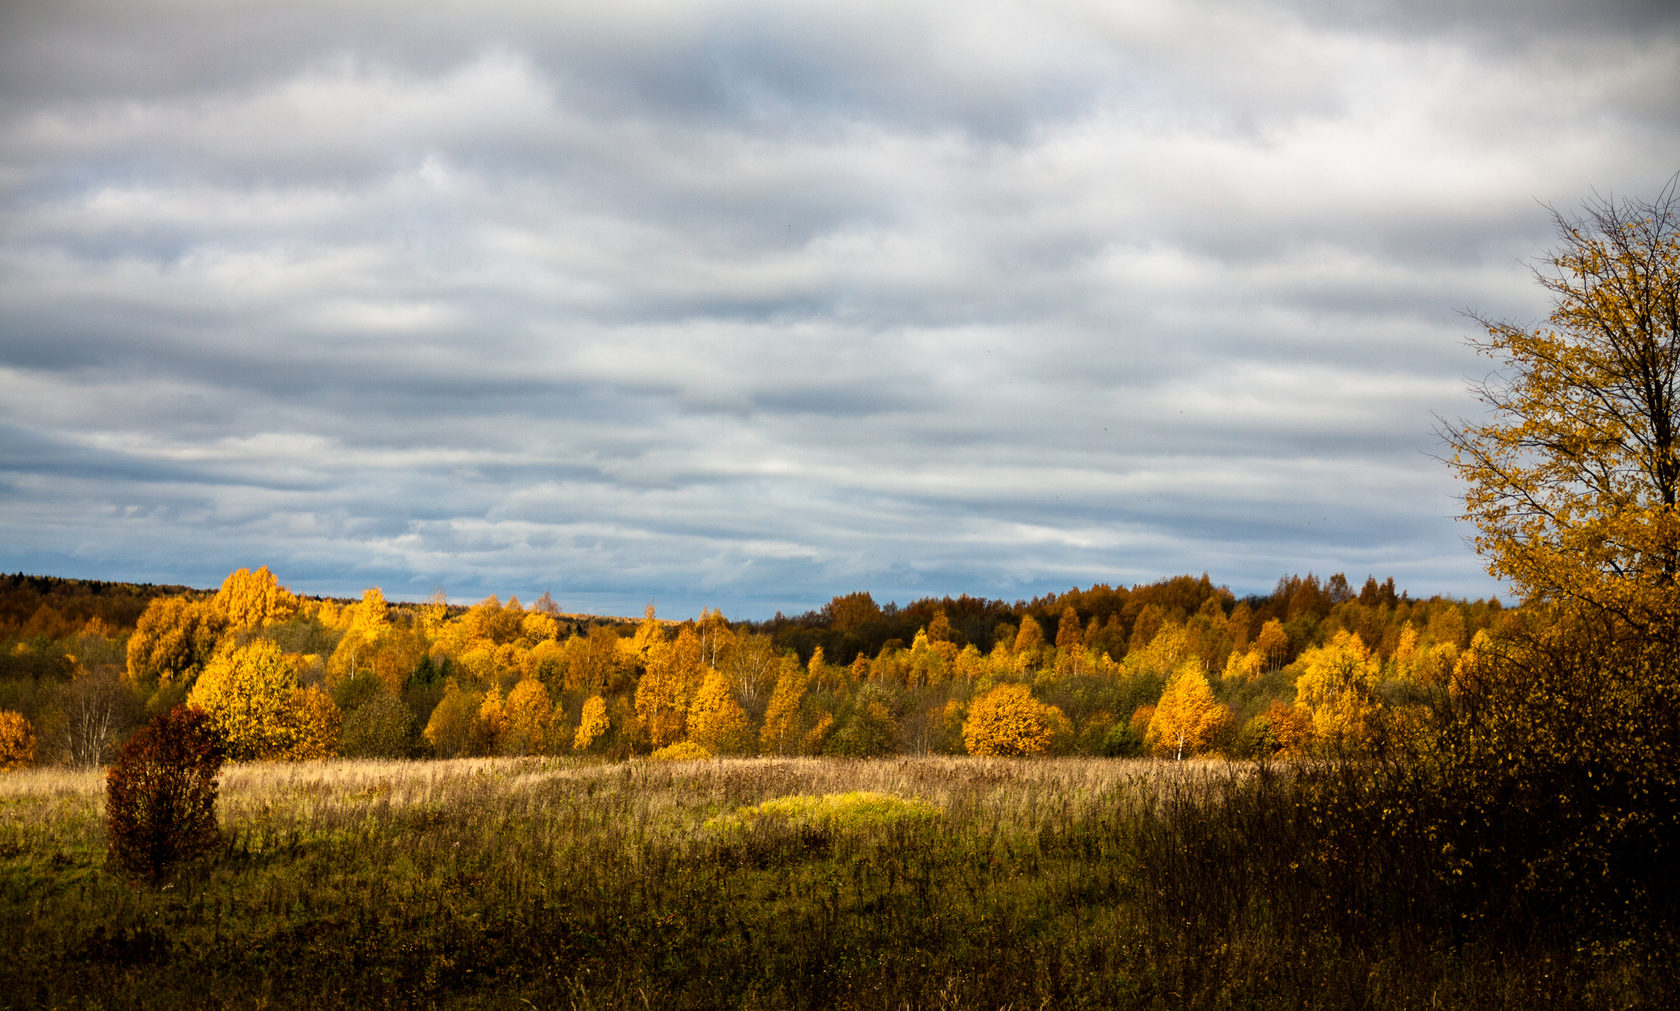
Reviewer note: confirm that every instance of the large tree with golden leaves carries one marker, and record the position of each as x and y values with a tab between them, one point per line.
1573	478
251	599
1008	721
1337	687
716	721
252	697
1187	719
1564	734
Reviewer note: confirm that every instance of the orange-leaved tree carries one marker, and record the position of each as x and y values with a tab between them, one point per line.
17	740
1008	721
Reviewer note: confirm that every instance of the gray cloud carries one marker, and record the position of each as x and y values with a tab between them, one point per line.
746	305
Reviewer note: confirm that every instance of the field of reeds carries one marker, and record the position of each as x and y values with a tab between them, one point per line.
767	883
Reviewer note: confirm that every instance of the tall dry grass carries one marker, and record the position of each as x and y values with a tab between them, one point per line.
566	883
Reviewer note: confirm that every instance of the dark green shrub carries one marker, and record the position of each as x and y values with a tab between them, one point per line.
160	795
1122	741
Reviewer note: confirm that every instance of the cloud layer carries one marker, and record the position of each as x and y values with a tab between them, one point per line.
746	305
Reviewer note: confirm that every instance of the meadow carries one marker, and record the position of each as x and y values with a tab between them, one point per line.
892	883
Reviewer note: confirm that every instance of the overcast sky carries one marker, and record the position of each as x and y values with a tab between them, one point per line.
745	305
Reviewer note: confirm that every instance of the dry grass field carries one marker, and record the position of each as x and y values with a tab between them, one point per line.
939	883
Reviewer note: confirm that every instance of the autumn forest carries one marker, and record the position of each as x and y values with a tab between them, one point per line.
1178	668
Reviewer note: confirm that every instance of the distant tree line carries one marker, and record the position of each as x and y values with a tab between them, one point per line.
1179	667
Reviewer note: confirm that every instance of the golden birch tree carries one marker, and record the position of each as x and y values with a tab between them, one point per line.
665	691
716	721
248	692
449	729
1008	721
1187	718
317	723
172	641
593	726
526	717
780	734
1337	686
251	599
1573	479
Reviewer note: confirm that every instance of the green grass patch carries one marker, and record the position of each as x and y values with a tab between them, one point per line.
858	810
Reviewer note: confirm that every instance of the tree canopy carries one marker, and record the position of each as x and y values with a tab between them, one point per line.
1574	477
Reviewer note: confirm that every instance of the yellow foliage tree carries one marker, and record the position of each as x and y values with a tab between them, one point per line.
594	662
1070	634
1187	719
1291	728
1029	637
434	612
1574	480
318	721
1008	721
250	693
17	740
1337	685
488	723
780	734
1406	654
948	727
1430	666
818	667
682	751
527	716
449	729
1165	652
716	721
1244	665
365	625
368	617
172	641
663	696
594	724
649	633
251	599
929	661
537	627
1273	643
714	636
491	621
816	739
969	665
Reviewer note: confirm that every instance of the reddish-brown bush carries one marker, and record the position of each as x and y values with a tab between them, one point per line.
160	795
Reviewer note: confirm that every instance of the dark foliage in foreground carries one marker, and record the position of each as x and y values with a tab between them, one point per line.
160	795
